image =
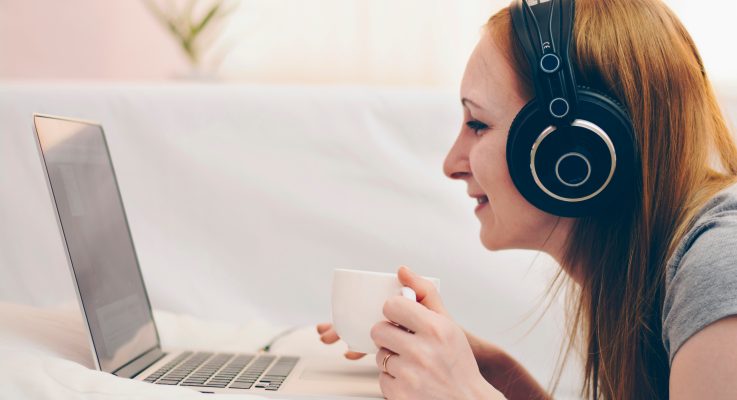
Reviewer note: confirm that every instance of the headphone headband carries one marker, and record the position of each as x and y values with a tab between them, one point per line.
544	28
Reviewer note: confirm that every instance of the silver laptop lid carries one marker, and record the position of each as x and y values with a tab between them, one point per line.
97	239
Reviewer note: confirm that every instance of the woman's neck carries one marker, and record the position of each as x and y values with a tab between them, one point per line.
557	244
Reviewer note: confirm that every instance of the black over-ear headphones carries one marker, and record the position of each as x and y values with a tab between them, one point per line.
571	150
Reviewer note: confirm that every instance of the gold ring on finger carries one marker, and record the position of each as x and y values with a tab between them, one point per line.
386	359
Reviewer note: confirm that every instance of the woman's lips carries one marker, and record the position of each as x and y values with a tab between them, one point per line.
482	202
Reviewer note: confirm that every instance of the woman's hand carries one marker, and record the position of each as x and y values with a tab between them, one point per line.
497	367
329	336
431	358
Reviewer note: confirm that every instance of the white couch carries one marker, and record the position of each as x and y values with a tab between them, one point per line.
242	199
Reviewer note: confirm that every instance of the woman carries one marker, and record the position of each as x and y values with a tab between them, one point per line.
654	276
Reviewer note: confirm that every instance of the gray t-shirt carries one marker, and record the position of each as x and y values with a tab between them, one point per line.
701	275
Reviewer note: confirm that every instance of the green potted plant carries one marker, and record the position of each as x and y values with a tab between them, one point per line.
195	25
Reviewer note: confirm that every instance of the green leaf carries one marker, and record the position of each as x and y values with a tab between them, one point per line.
206	19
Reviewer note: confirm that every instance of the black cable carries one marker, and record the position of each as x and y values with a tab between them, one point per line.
267	347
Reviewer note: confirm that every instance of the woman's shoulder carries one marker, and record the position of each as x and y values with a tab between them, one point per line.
722	205
701	275
719	211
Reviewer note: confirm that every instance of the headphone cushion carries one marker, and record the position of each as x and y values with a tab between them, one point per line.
616	105
596	109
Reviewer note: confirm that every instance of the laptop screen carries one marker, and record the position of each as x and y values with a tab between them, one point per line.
98	241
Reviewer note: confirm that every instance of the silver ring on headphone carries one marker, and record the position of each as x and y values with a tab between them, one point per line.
559	102
581	124
550	63
573	154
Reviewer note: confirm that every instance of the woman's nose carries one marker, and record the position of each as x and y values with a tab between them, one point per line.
456	164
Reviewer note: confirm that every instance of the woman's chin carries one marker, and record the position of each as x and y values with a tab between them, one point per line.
493	240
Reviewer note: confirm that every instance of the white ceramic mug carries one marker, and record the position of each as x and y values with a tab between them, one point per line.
357	303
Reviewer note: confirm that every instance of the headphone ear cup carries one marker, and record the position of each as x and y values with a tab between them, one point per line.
519	127
526	127
578	169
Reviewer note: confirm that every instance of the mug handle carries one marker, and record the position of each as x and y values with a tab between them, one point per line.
409	293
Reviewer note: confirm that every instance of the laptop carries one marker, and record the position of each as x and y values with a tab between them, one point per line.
112	295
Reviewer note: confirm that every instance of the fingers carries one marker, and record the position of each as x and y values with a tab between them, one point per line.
408	314
352	355
327	333
387	335
392	360
329	336
387	385
321	328
427	293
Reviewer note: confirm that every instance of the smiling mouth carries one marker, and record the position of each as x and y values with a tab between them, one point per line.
482	202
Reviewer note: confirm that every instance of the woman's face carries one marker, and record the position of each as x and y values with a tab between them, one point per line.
491	98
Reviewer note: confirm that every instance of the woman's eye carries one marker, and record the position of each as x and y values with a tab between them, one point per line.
476	126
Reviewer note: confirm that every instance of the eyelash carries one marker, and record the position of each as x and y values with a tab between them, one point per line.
476	126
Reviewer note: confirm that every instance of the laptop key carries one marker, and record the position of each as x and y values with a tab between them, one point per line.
237	385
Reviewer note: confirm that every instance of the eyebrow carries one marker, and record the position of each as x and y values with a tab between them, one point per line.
466	101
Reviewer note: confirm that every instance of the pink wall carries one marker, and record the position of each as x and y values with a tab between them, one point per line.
71	39
287	40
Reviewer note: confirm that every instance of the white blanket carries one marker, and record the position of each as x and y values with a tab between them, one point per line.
45	354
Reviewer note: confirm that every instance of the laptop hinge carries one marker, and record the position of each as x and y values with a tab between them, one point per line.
143	361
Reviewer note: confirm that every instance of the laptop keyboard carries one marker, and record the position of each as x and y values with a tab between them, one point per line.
221	370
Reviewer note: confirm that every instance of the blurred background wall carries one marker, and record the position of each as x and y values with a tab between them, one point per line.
387	42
